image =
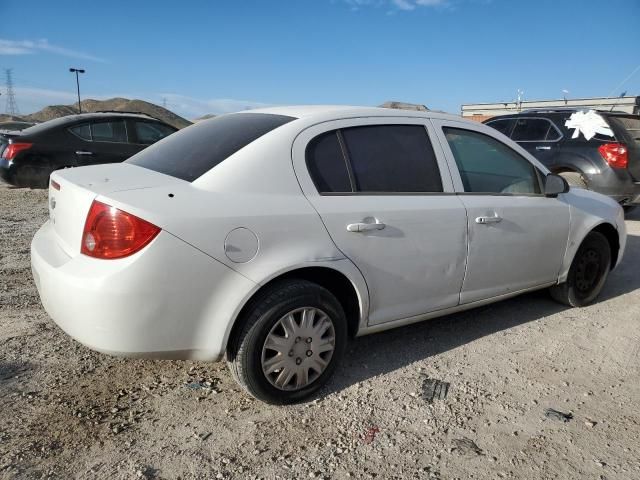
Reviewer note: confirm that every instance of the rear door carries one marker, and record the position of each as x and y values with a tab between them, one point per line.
109	143
387	202
517	235
539	136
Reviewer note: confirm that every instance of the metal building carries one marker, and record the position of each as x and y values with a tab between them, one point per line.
482	111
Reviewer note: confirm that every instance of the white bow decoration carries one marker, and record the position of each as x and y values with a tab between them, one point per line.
589	123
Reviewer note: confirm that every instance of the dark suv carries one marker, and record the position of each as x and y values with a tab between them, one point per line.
605	164
27	158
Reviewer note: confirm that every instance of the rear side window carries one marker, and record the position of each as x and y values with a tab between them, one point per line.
195	150
392	158
375	159
489	166
109	132
628	127
327	165
534	130
83	131
150	132
503	126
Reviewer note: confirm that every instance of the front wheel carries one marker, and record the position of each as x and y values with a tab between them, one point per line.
587	274
290	342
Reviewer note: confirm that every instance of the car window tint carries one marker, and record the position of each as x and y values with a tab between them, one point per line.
83	131
150	132
489	166
113	131
553	133
327	165
195	150
503	126
392	158
530	129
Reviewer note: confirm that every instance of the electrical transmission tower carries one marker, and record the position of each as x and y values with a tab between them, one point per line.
12	106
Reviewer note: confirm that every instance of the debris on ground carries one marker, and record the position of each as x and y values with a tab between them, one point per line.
466	446
433	389
370	435
557	415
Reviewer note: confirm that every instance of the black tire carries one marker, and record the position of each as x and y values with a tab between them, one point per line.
587	274
574	179
245	349
629	208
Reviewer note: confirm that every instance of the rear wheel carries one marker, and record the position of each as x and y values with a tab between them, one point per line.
290	342
629	208
574	179
587	274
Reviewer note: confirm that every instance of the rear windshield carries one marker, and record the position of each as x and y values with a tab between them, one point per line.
626	127
195	150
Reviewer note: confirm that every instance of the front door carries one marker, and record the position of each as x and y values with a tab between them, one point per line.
517	235
387	202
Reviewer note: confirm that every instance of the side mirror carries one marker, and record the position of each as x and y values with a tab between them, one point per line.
554	185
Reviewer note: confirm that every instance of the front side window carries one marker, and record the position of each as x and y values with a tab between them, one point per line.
489	166
149	132
114	131
534	130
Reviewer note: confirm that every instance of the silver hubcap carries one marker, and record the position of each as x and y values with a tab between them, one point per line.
298	348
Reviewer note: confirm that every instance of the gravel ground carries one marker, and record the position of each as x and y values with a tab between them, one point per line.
66	411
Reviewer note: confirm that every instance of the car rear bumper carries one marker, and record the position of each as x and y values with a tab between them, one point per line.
616	184
167	301
6	170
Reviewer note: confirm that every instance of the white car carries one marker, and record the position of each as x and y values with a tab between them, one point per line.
271	236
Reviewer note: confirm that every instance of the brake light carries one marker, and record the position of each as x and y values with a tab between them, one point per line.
615	154
111	233
13	148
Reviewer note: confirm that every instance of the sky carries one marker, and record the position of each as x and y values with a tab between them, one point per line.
220	56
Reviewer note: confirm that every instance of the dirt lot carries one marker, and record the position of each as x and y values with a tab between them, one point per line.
66	411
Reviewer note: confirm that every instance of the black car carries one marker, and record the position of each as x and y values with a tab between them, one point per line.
27	158
606	164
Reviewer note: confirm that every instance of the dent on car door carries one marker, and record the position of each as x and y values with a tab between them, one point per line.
378	188
517	235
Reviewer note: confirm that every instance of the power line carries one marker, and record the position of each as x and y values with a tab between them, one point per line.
11	106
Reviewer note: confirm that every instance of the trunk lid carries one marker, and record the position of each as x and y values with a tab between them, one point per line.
72	191
627	130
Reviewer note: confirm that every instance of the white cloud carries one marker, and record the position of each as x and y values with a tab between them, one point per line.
31	99
197	107
29	47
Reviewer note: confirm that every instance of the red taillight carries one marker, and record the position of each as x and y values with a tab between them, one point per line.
111	233
615	154
13	148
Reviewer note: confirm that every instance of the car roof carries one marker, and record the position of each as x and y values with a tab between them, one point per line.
71	119
332	112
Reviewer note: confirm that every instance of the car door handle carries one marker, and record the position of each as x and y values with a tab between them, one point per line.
540	147
83	152
487	220
365	227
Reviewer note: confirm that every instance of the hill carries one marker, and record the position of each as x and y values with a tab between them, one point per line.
113	104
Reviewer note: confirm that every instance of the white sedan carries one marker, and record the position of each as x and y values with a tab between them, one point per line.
272	236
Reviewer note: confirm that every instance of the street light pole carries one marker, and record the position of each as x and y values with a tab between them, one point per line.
77	71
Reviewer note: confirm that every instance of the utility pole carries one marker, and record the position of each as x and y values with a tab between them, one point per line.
77	71
11	105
